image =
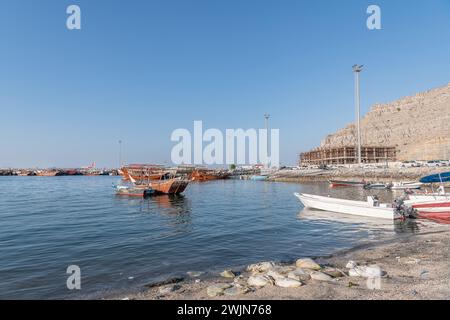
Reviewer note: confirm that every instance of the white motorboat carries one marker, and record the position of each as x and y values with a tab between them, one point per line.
406	185
370	208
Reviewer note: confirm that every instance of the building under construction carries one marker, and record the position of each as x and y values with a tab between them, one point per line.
347	155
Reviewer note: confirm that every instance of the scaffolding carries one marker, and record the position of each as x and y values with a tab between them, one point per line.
347	155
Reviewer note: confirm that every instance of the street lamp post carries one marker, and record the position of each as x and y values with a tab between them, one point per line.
357	70
267	116
120	154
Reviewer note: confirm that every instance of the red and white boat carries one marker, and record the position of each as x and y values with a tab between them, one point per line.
431	207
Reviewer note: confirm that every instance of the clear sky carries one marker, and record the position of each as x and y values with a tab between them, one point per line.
137	70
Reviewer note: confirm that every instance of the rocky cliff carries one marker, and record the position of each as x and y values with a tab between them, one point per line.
419	126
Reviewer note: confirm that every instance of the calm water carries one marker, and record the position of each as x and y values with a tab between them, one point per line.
119	243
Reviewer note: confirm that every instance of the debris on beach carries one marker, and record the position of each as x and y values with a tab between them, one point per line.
372	271
408	260
168	289
194	274
333	272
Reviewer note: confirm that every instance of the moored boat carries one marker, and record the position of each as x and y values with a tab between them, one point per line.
208	175
133	191
406	185
378	186
259	178
166	185
345	183
436	178
370	208
169	186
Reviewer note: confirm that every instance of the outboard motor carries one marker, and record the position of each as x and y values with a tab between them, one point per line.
402	210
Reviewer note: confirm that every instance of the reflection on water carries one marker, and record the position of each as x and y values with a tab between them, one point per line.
366	223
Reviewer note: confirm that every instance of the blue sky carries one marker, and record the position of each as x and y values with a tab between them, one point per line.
137	70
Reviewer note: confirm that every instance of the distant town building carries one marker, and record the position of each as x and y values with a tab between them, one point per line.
347	155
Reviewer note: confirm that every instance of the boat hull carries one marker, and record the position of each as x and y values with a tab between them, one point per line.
434	215
208	175
343	183
170	186
406	186
134	192
357	208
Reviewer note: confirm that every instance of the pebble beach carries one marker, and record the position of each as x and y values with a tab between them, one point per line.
415	266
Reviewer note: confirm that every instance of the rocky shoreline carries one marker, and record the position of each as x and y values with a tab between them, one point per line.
413	266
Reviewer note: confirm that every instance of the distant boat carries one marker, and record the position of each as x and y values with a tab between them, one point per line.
406	185
208	175
166	185
133	191
345	183
370	208
378	186
259	178
436	178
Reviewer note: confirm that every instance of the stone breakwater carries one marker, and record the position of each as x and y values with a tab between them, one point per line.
418	126
374	174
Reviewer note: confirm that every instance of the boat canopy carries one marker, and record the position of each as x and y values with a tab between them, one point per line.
436	178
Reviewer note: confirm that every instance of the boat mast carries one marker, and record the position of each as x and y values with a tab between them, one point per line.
356	70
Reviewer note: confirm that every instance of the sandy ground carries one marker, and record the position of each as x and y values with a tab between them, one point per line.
417	267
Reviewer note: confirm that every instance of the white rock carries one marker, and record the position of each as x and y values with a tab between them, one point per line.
285	269
351	264
288	283
258	281
299	274
320	276
275	275
307	263
227	274
217	289
335	273
261	267
234	291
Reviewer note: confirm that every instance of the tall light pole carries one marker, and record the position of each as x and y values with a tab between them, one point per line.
120	154
267	116
357	70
